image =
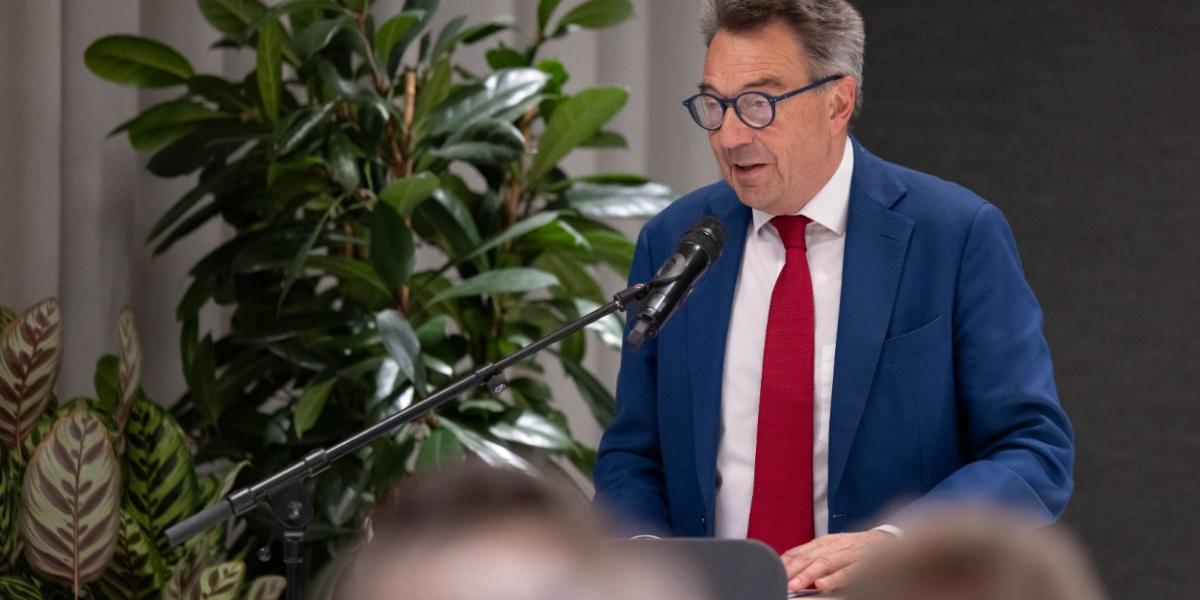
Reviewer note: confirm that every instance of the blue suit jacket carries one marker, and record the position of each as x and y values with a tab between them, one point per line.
943	389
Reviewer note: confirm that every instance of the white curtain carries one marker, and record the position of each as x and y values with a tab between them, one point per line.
75	206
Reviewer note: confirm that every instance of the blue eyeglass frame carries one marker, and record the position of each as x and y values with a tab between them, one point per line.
727	102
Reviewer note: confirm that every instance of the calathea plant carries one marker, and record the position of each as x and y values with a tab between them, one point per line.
397	221
88	486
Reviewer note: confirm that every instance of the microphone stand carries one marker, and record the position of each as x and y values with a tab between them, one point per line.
284	490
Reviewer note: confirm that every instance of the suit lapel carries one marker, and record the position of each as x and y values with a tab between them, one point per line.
708	312
876	245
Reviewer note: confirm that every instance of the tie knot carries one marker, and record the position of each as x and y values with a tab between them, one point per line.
791	230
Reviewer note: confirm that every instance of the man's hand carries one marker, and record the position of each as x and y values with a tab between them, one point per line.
829	561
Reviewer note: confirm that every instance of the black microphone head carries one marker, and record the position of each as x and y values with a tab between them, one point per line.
709	234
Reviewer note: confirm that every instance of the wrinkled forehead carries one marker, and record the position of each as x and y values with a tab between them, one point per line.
768	58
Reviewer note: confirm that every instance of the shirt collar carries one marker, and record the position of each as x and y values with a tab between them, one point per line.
828	208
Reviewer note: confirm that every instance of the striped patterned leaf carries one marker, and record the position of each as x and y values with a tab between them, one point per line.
137	570
70	501
131	364
219	582
30	352
162	487
10	497
267	587
13	587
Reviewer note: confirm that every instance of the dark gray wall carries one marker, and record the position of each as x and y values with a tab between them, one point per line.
1079	119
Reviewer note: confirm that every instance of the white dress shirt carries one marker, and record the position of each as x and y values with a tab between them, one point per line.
762	261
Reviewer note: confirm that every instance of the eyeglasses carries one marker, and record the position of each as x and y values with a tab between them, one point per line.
755	109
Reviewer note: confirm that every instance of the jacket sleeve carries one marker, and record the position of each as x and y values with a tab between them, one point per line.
629	470
1019	437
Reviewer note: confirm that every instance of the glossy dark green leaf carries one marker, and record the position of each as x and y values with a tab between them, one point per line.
405	194
387	39
231	17
440	449
500	281
482	31
489	142
163	123
517	230
291	6
270	67
535	430
202	380
137	61
491	452
544	11
349	269
448	37
107	382
317	35
303	128
310	405
595	14
214	182
203	146
393	252
504	57
595	395
435	89
341	161
618	201
574	121
402	345
576	282
497	95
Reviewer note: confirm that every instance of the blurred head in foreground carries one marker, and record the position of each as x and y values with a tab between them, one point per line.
978	555
476	532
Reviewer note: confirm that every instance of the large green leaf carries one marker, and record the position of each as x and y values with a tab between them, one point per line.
310	405
405	194
162	488
441	449
499	94
270	67
130	365
301	130
574	121
499	281
317	35
70	502
533	429
137	570
597	398
267	587
489	142
350	270
402	345
137	61
517	230
491	452
231	17
595	14
393	251
545	10
30	353
388	48
341	161
164	123
601	201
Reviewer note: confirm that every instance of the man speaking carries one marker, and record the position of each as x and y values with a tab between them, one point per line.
865	347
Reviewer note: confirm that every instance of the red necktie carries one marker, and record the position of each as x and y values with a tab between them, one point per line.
781	512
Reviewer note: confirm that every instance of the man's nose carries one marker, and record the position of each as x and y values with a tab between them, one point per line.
733	132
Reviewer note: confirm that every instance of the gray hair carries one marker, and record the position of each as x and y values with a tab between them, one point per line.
830	31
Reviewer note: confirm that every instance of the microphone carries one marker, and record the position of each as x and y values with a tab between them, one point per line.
699	248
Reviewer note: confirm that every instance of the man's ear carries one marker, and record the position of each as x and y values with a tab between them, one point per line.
842	96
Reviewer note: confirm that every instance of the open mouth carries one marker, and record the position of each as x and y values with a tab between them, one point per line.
749	168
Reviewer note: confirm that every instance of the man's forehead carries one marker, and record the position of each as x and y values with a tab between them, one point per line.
769	57
758	83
